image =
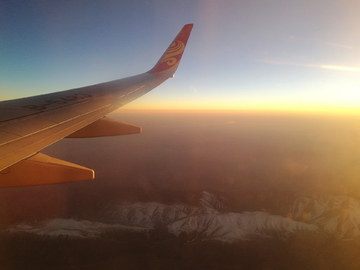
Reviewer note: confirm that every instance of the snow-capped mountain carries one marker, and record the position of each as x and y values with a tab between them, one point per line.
205	220
337	216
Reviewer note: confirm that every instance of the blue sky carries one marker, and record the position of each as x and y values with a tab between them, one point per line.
259	54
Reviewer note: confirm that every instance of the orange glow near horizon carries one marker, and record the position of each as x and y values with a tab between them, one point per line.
249	108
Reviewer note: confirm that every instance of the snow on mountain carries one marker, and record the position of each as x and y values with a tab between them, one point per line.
234	226
69	227
205	220
209	222
338	216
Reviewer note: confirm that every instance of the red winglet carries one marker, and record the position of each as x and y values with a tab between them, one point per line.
171	58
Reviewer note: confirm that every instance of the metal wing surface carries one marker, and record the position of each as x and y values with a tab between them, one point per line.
28	125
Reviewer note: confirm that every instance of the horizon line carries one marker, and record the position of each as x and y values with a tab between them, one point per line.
295	111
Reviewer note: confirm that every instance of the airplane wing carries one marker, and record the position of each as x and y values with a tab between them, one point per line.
27	125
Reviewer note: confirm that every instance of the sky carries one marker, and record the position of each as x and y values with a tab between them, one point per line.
267	55
243	55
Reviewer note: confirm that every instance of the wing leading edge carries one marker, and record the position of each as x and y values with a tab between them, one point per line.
28	125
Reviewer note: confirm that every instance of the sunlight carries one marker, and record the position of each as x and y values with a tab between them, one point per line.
340	68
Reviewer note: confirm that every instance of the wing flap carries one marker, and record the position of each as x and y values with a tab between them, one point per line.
105	127
41	169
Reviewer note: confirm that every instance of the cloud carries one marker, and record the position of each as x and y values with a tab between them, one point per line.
340	68
293	167
193	89
343	46
292	38
332	67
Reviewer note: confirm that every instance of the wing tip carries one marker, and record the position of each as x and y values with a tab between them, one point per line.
171	58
